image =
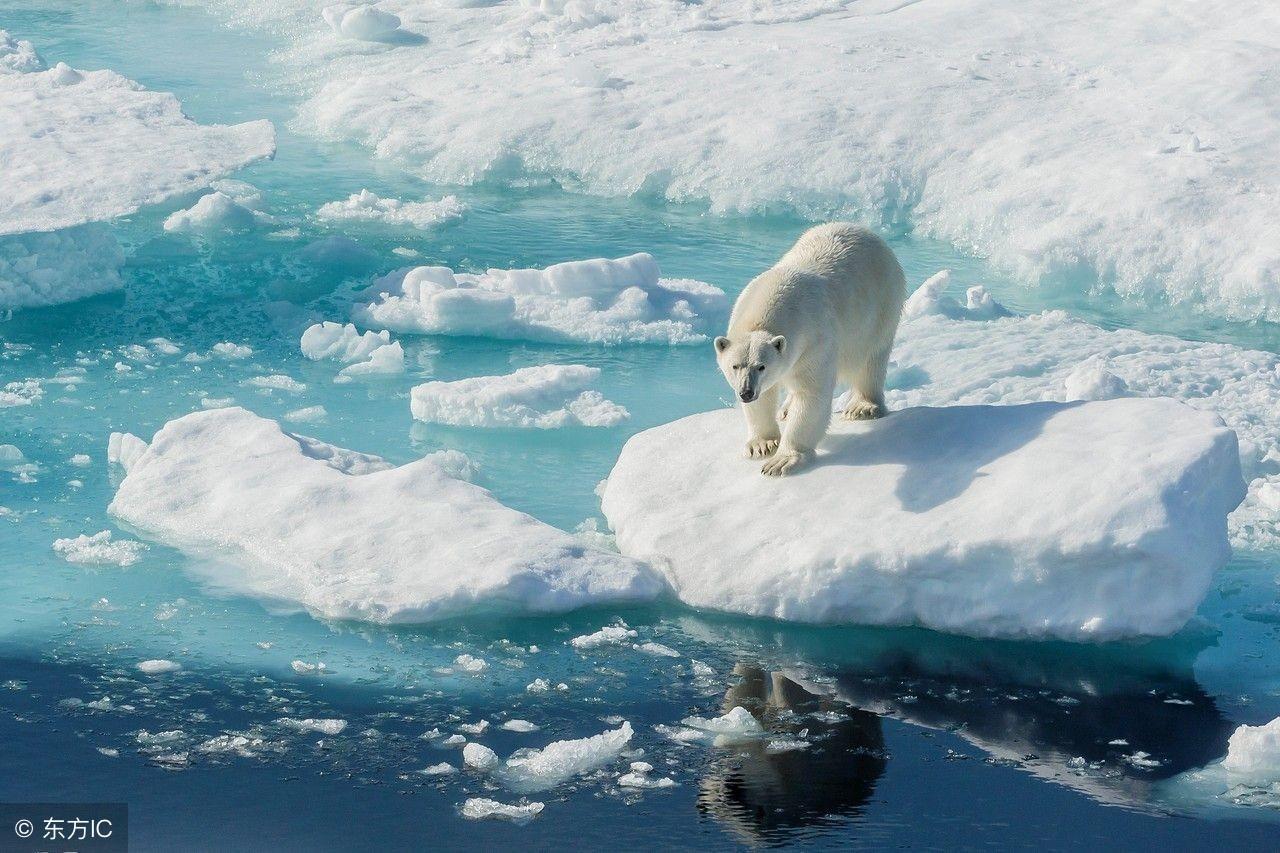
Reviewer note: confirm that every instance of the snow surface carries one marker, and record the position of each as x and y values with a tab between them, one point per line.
1079	521
365	206
1095	138
346	535
88	146
594	301
544	397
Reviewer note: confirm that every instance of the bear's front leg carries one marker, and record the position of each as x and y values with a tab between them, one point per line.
808	415
762	424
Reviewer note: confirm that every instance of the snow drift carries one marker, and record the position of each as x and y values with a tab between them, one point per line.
347	535
1080	521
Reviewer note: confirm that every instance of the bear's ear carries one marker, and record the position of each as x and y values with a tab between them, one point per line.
778	342
722	343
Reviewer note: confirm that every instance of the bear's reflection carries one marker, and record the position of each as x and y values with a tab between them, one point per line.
1109	721
763	794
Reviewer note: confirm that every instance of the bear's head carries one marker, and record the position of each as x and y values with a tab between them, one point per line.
752	364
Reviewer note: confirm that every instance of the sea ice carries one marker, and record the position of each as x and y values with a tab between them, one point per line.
52	268
610	635
94	146
99	549
370	353
216	211
1253	754
544	397
158	666
360	21
479	757
1080	521
596	301
348	536
323	726
365	206
560	761
480	808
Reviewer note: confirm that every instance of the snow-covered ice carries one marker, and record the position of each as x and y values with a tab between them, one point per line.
481	808
94	145
370	353
477	756
545	397
996	127
216	211
1253	754
349	536
1080	521
594	301
560	761
366	206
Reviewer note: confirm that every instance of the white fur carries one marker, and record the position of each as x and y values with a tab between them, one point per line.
826	313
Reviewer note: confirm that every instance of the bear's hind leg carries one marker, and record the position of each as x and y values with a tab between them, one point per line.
866	380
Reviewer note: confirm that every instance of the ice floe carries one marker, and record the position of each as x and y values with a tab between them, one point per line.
347	535
1253	754
1000	131
93	145
594	301
367	354
1081	521
99	549
216	211
365	206
158	666
543	397
560	761
481	808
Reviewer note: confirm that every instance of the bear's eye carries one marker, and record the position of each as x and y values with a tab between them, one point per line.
737	367
760	367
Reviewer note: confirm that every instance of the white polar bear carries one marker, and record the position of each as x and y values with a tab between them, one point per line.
825	313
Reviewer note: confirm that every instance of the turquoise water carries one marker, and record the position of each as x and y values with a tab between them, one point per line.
919	739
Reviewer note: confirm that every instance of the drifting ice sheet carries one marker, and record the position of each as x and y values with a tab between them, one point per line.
86	146
1081	521
545	397
348	536
595	301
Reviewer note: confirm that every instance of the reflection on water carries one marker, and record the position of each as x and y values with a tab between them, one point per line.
1108	721
762	794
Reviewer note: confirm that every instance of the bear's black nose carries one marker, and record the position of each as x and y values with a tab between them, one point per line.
746	396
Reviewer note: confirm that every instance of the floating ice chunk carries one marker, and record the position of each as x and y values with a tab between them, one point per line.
480	808
454	741
368	207
81	460
1082	521
384	361
360	21
158	666
1092	381
99	549
323	726
10	456
1253	754
477	728
931	298
520	726
63	266
639	777
595	301
658	649
479	757
560	761
444	768
736	726
307	415
216	211
277	382
544	397
468	663
88	146
18	57
303	668
340	342
231	350
23	392
610	635
348	536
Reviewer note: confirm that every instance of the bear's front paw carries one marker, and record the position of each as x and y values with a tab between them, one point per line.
759	448
782	463
862	410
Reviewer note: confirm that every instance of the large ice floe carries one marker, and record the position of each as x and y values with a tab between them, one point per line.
346	535
545	397
594	301
1001	127
1080	521
80	147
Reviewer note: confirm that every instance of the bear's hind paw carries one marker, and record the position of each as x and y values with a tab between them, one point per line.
863	410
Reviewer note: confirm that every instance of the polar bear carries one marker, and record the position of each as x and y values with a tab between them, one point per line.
826	313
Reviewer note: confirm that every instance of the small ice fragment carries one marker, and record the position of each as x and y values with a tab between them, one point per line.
520	726
735	726
323	726
612	635
233	351
474	728
479	757
468	663
658	649
99	549
158	666
559	761
479	808
444	768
